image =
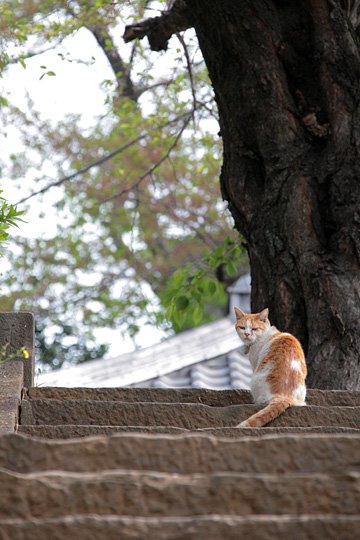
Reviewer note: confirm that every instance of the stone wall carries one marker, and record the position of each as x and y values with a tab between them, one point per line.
16	331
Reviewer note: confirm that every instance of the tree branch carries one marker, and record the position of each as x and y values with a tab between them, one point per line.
141	89
31	54
189	68
121	71
105	158
160	29
153	167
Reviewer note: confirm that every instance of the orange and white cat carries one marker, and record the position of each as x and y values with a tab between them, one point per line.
278	363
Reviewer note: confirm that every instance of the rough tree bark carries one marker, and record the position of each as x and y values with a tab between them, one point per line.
286	77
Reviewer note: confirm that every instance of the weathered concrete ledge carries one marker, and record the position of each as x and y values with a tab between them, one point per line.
137	493
183	415
211	527
11	385
186	453
67	431
204	396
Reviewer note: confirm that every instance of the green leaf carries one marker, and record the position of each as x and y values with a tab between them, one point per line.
182	303
170	311
231	268
3	102
48	73
211	286
197	315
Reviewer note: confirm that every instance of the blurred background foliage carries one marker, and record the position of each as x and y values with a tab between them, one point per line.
142	237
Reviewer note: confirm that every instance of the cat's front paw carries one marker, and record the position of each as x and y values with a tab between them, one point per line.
243	424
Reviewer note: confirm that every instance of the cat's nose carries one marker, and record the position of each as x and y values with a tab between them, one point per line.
247	334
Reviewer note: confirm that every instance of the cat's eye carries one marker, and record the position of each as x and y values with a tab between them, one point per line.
254	329
241	327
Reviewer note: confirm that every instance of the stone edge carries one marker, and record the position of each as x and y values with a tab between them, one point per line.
11	385
17	329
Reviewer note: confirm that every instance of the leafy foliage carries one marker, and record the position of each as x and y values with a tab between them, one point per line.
9	217
64	348
190	289
141	237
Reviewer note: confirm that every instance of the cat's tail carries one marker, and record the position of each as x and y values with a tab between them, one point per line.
277	406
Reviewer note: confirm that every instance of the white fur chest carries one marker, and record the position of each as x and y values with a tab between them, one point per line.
259	386
260	348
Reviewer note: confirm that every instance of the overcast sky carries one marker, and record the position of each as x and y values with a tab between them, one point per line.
76	88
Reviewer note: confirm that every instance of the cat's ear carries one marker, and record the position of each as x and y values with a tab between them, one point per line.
239	314
264	314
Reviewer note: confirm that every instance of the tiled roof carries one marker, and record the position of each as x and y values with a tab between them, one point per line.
228	371
204	357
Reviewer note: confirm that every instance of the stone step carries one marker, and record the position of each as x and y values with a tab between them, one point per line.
188	454
133	493
185	415
270	527
69	431
217	398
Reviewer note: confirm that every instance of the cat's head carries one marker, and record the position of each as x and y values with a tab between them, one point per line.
250	326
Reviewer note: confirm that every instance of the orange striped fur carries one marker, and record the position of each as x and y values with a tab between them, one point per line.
278	363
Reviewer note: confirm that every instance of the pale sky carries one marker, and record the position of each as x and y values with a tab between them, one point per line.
74	89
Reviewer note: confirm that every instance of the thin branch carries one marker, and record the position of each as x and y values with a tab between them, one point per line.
142	89
133	53
206	239
31	54
103	159
136	184
190	71
205	106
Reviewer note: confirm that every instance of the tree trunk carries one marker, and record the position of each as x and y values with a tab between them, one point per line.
286	78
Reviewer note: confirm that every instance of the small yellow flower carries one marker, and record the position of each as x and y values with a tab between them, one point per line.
25	353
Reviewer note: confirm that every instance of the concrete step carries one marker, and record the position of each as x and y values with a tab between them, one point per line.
133	493
185	415
217	398
188	454
270	527
69	431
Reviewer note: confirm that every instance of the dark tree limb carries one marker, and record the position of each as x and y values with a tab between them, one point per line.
121	70
159	30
